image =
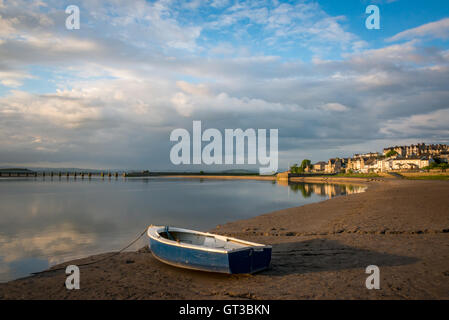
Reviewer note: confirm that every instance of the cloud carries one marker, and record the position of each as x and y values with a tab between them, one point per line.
436	30
432	124
7	26
116	88
335	106
303	24
13	79
219	3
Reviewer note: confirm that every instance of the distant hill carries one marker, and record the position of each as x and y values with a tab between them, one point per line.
22	170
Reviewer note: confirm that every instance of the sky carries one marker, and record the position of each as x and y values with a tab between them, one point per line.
109	94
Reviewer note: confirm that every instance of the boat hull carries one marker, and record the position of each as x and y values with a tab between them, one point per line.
242	261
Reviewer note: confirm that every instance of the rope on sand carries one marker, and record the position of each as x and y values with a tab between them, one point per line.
97	261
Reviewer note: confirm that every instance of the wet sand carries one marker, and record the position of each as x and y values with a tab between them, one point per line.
320	251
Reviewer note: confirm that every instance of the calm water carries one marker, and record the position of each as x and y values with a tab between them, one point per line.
45	222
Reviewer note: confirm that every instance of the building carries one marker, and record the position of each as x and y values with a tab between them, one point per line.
319	166
356	164
411	163
444	156
413	157
401	163
333	166
371	165
368	155
400	150
417	150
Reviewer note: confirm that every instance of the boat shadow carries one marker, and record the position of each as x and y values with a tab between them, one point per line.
319	255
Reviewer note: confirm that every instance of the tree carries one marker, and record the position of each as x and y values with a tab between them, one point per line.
434	165
306	163
391	153
294	168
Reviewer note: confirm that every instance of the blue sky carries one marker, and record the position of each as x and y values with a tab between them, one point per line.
138	69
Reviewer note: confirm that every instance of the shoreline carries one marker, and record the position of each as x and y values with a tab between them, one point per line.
320	251
312	179
218	177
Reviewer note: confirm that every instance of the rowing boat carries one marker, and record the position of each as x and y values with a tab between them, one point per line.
207	252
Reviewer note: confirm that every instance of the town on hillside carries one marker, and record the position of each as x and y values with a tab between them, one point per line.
414	157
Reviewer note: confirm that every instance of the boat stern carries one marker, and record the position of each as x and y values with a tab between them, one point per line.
250	260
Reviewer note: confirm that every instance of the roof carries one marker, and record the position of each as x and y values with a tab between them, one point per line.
412	158
370	161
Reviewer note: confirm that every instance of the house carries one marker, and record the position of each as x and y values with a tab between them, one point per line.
333	166
444	156
401	163
368	155
400	150
319	166
411	163
411	157
370	165
356	164
420	149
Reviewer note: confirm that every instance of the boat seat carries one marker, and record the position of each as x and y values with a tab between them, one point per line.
169	235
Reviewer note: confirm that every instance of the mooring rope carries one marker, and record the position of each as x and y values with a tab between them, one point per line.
97	261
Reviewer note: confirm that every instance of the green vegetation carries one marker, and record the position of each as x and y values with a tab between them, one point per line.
438	164
391	153
295	169
306	163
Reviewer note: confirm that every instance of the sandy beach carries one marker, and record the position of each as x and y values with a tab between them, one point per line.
320	251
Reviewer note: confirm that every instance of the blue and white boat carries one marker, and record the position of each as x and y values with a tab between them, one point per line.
207	252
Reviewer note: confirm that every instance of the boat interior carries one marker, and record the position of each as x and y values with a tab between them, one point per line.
202	240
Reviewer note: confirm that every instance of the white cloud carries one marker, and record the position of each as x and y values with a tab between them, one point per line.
438	29
219	3
7	28
396	54
302	24
431	124
335	106
53	43
13	78
146	73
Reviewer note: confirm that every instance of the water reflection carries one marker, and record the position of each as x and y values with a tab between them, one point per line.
329	190
45	222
